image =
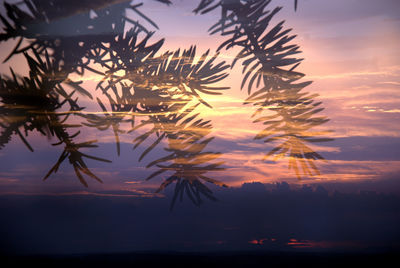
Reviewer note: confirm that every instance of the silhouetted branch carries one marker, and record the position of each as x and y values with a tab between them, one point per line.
187	160
156	94
268	67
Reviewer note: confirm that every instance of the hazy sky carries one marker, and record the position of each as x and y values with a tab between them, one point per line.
350	51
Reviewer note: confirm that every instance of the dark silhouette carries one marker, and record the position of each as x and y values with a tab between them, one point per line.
273	213
268	67
148	90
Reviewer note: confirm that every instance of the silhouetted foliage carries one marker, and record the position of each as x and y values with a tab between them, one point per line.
269	72
156	94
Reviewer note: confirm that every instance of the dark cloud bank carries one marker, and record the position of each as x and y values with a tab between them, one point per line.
253	217
334	217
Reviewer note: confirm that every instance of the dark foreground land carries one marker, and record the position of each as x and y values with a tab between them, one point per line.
206	260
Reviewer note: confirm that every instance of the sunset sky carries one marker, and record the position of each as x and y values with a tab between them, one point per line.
351	53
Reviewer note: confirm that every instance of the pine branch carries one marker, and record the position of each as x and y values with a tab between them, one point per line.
268	68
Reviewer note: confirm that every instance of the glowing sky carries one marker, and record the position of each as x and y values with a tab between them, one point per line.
351	53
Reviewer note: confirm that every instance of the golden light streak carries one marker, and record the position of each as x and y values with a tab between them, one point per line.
347	75
135	194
